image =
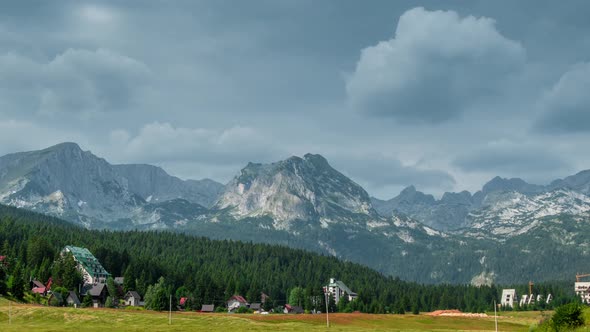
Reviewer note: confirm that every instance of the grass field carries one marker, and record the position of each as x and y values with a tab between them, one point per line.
26	317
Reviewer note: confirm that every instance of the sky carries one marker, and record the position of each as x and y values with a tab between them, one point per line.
443	95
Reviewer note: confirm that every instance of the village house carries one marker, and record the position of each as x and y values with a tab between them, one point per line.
293	309
207	308
236	302
98	293
91	269
133	299
39	288
182	303
256	307
337	289
72	300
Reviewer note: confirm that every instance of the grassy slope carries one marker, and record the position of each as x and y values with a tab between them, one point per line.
38	318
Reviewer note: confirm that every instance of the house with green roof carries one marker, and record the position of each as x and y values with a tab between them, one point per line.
338	290
91	269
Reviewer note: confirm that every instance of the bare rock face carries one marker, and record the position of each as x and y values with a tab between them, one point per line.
76	185
307	189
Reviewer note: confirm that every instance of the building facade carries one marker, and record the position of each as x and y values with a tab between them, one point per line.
338	289
508	297
582	289
90	268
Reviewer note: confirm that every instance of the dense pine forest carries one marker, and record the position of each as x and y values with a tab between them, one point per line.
210	271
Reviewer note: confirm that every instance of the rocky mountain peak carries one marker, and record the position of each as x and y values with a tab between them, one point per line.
297	188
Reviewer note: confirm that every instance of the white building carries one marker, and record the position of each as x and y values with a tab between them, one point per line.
90	268
337	289
508	297
583	291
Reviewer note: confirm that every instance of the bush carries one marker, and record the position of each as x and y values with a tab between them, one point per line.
244	310
567	316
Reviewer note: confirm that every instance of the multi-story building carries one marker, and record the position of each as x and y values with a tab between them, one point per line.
508	297
582	290
91	269
338	289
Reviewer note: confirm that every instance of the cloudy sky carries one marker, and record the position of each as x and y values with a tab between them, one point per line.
440	94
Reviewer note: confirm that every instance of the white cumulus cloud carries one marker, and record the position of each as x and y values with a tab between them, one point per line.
436	66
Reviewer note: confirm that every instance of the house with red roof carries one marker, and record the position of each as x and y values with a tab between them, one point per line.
236	302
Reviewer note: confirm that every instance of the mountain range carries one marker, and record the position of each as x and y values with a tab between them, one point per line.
507	231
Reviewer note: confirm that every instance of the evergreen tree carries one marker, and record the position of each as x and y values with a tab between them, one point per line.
157	296
297	296
87	301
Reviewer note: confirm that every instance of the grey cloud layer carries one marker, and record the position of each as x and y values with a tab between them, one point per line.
75	81
566	106
202	88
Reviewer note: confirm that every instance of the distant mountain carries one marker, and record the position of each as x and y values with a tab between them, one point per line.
76	185
304	189
448	213
508	230
579	182
455	211
153	184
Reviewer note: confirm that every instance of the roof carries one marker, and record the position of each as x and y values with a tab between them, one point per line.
255	306
342	286
38	284
238	298
97	290
73	297
207	308
57	296
85	258
39	290
133	294
294	309
119	280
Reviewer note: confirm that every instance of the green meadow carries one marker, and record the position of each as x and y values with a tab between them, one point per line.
26	317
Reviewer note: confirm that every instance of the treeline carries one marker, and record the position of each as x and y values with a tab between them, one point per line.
210	271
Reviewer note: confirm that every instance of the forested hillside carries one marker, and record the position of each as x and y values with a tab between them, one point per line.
210	271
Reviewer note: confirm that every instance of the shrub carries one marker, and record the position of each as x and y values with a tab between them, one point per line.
567	316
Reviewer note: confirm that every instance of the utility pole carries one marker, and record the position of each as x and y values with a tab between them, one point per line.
495	316
9	313
170	312
327	315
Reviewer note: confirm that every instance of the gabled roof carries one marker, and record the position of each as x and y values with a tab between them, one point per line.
39	290
96	290
38	284
342	286
133	294
85	258
294	309
238	298
207	308
73	297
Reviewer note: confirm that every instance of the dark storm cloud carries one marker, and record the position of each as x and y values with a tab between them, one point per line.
512	159
74	81
566	107
203	87
380	171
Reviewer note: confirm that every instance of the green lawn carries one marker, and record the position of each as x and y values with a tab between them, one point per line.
38	318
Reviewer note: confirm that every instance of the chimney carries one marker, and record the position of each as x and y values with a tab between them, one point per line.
332	280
